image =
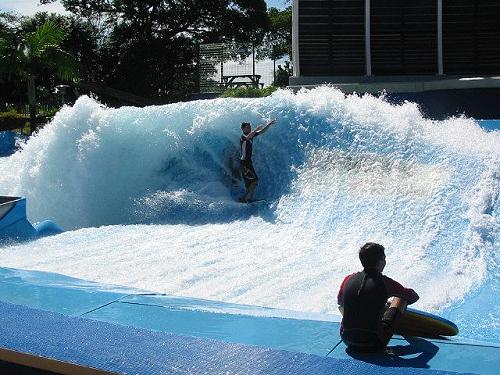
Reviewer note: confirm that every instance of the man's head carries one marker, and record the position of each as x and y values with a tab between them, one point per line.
372	256
246	127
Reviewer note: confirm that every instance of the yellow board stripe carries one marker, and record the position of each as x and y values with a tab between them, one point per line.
438	322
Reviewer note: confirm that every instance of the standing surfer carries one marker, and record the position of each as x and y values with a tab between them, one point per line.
247	169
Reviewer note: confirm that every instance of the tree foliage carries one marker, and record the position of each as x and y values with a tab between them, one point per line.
81	39
27	52
248	92
145	47
150	46
9	91
278	39
30	54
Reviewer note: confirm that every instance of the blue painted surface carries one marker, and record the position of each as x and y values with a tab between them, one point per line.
56	293
128	331
490	125
313	337
14	226
47	228
130	350
7	143
433	354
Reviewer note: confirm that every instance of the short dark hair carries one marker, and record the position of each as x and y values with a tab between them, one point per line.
243	124
370	253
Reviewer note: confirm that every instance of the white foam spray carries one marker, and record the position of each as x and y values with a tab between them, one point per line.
144	195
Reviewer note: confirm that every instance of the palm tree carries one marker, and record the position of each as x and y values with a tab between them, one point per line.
33	52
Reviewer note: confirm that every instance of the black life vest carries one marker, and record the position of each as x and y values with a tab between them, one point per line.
246	149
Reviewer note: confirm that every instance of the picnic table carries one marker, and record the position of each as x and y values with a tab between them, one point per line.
249	80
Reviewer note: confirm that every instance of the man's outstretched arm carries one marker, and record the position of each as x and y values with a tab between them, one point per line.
259	130
263	128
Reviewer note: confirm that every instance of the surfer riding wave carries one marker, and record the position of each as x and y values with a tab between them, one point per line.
246	145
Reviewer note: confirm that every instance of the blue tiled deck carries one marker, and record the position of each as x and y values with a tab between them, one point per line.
126	331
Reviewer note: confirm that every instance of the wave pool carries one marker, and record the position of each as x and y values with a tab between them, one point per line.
144	194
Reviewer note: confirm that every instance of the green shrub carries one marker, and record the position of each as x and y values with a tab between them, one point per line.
11	120
46	111
12	114
248	92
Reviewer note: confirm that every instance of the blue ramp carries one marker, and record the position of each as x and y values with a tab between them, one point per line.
120	349
53	320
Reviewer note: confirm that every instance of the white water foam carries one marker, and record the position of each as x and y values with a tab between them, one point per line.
144	194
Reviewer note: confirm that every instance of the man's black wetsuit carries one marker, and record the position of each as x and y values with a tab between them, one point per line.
363	296
247	170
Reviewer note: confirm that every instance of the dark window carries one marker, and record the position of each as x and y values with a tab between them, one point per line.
404	37
471	37
331	37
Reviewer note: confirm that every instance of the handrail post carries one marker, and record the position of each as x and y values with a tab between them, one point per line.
440	37
368	56
295	39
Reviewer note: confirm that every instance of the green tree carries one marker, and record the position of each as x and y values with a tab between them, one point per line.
277	41
8	23
34	52
9	91
282	76
150	46
81	40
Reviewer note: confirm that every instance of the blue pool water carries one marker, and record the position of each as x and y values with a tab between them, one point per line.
7	143
144	194
490	125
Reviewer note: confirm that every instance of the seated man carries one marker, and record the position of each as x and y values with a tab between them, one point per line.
367	322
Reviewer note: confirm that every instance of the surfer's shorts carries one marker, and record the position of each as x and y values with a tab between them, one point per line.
364	340
248	173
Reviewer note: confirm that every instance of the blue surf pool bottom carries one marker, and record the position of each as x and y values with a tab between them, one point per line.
54	322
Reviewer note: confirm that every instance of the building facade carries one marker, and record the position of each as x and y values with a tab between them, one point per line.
396	37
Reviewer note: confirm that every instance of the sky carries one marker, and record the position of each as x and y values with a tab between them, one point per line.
276	3
30	7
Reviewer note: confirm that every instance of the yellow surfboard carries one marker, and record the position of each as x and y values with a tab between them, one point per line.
422	324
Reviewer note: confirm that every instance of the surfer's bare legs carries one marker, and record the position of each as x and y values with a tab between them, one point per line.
249	191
